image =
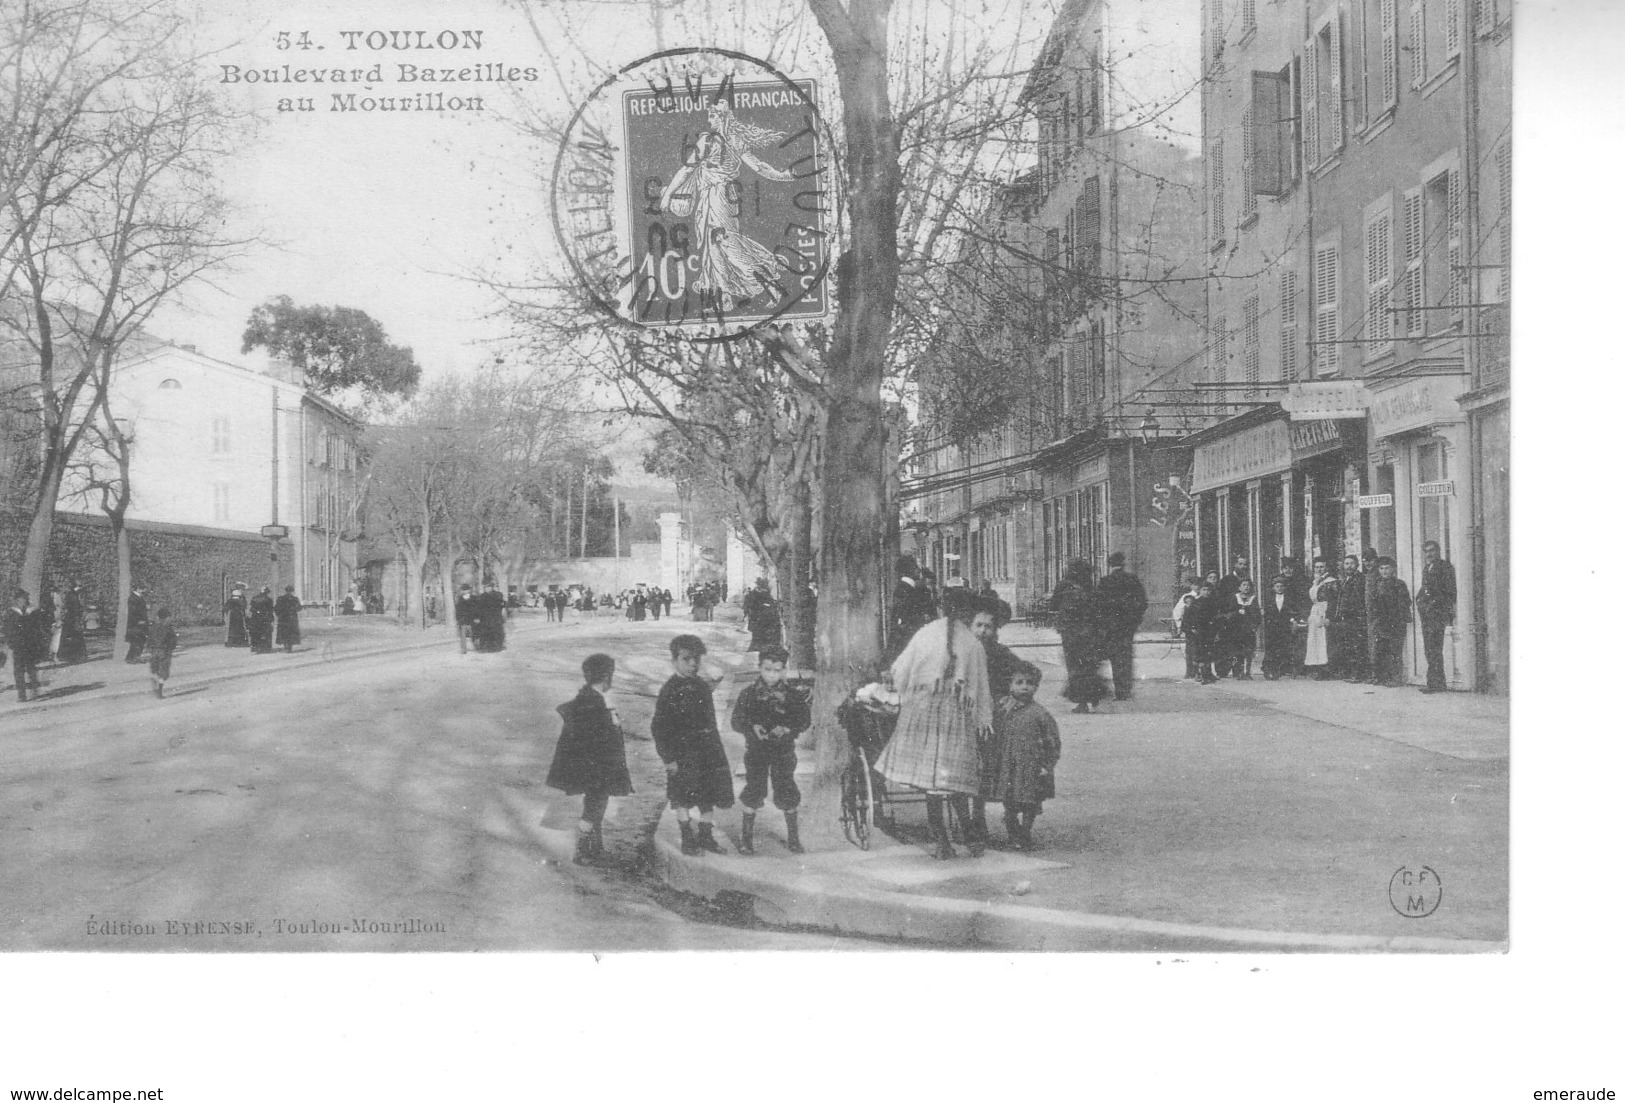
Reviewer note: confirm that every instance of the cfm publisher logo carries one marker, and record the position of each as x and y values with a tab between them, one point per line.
1415	892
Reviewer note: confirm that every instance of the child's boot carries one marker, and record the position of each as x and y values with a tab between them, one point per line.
583	848
1012	826
939	826
747	831
1027	819
978	822
690	843
596	847
975	842
792	831
708	840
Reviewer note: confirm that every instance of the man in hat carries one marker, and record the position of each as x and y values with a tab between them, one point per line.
1436	608
1389	601
20	630
1122	604
1368	568
1349	614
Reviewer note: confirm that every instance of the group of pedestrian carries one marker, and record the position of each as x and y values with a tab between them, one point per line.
590	758
52	632
1351	625
704	597
482	618
1097	620
969	729
259	623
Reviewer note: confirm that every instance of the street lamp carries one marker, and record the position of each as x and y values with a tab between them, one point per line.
1150	427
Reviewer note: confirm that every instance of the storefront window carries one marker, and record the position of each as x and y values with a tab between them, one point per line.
1269	538
1432	466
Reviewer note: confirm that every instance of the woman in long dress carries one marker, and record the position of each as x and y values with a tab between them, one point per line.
946	716
1077	620
734	268
287	620
237	617
1322	596
72	647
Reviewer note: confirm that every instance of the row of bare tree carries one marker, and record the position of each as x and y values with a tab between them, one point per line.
109	205
495	470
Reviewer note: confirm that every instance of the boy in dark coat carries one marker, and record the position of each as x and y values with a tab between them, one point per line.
770	714
22	636
164	641
590	758
1202	626
698	778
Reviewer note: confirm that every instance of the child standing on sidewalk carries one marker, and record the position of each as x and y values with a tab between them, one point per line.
1031	746
163	643
769	714
590	759
698	778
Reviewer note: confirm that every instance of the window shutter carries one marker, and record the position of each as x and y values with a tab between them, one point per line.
1334	107
1218	340
1326	314
1289	325
1215	12
1083	108
1268	109
1419	45
1249	15
1249	159
1452	28
1453	252
1379	260
1066	117
1503	173
1390	52
1069	241
1412	280
1309	94
1216	190
1250	339
1088	219
1485	13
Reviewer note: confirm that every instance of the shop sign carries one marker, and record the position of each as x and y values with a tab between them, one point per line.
1444	488
1327	400
1374	501
1416	405
1262	450
1311	438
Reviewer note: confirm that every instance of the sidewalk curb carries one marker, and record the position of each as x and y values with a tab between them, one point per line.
829	903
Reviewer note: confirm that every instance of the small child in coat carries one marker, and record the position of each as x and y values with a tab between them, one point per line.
163	642
1030	748
590	758
698	778
1203	625
770	714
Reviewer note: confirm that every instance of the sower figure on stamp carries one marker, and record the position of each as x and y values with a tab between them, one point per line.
1436	608
698	778
590	758
770	714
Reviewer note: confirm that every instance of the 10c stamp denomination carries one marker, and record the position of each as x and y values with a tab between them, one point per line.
694	191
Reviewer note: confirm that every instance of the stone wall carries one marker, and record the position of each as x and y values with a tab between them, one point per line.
185	567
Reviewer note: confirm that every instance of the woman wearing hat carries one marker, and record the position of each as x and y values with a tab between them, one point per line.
237	616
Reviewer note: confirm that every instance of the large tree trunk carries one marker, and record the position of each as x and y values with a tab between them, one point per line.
121	553
38	549
853	476
801	622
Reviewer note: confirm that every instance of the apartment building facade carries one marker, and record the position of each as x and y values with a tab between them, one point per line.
1358	227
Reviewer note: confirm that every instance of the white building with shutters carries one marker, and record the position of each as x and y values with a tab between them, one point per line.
1107	330
1357	222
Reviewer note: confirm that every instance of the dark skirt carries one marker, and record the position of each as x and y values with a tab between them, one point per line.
159	664
287	631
